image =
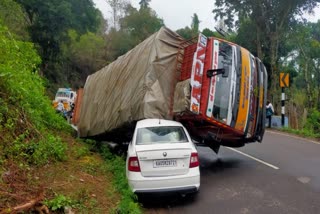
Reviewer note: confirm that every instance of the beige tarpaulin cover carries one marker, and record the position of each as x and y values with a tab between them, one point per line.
182	95
137	85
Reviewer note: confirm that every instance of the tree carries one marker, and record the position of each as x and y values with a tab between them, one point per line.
118	43
144	4
118	8
189	33
50	21
271	20
305	40
195	23
49	25
134	27
85	17
207	32
14	17
84	55
140	24
186	32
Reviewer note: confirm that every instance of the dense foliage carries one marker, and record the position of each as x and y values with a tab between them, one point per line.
26	115
135	26
28	122
72	37
13	16
48	24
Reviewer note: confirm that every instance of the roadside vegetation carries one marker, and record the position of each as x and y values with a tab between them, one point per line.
49	44
117	166
42	167
311	128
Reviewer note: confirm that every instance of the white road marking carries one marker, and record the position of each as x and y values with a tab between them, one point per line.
304	180
292	136
256	159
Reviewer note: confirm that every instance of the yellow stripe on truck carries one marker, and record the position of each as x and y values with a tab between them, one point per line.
243	112
261	95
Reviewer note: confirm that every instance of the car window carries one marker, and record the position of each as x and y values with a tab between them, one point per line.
163	134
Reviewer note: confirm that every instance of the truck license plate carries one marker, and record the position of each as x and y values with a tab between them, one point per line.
164	163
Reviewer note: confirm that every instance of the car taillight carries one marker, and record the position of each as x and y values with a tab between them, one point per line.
194	160
133	164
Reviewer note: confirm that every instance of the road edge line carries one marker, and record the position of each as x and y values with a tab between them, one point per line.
256	159
293	136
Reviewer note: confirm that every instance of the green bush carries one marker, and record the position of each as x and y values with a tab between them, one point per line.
52	149
117	166
21	82
59	202
27	118
313	122
81	202
311	128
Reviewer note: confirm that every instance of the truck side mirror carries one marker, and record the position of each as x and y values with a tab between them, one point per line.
214	72
225	74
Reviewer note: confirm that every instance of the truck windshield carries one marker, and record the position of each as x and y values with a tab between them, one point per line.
223	90
161	134
63	94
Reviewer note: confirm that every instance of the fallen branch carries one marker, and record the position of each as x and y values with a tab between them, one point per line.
16	196
23	207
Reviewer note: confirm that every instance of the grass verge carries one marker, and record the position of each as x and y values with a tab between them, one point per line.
116	164
81	183
302	133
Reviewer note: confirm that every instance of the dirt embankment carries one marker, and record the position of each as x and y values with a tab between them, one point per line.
82	181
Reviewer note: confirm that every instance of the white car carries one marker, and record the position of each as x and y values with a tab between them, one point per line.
162	158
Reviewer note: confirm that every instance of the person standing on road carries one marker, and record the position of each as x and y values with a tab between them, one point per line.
269	112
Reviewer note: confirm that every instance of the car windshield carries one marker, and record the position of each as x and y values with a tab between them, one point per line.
162	134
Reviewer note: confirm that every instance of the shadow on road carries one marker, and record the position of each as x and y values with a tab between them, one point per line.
219	164
208	167
165	201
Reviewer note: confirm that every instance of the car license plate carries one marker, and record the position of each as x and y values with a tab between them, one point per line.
164	163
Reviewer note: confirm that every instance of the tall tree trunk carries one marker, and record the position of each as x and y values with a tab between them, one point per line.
273	64
309	91
318	101
259	45
306	77
318	86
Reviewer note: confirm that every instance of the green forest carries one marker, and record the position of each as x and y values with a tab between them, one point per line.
47	44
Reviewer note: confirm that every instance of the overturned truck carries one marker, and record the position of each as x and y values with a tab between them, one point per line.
216	88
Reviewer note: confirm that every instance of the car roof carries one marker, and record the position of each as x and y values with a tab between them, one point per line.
156	123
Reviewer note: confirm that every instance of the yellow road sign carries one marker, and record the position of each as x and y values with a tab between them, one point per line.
284	80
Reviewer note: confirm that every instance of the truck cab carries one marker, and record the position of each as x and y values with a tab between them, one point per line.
227	92
67	96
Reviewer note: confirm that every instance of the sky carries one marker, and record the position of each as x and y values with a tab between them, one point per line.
177	13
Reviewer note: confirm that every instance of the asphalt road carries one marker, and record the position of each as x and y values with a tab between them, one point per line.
280	175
